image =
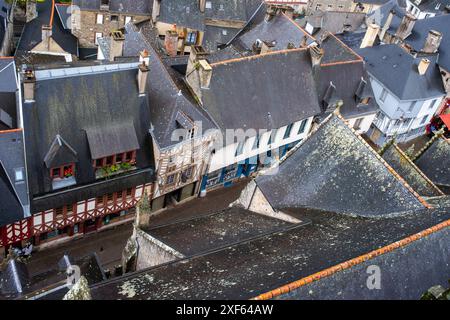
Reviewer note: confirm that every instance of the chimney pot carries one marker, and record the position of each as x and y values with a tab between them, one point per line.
423	66
432	42
143	71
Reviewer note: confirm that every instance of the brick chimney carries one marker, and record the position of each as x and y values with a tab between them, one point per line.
143	72
156	10
423	65
370	36
387	24
202	5
316	54
432	42
171	42
199	71
406	26
29	84
31	11
117	41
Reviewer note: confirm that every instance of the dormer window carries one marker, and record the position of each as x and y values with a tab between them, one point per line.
65	171
126	157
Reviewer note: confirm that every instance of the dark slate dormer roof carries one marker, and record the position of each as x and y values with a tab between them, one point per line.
142	7
384	61
13	193
435	162
69	102
60	153
401	163
420	33
336	170
166	96
32	33
262	92
336	51
115	138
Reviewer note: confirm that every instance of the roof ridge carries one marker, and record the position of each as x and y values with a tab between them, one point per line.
417	168
352	262
387	165
261	55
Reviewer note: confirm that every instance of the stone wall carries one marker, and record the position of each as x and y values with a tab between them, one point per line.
86	27
152	252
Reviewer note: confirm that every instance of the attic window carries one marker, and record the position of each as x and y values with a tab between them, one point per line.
114	18
61	172
208	5
365	100
126	157
19	174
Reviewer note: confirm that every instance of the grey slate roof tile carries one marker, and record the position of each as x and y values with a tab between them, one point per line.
408	171
333	170
243	92
384	60
435	162
123	6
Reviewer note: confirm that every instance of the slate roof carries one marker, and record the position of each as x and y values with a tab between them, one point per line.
8	82
335	170
346	71
410	172
420	33
377	2
335	22
14	202
218	230
408	84
280	31
165	96
435	6
32	33
435	162
63	14
184	13
69	102
243	92
143	7
380	15
245	270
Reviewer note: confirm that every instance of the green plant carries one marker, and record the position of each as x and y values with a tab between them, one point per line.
125	165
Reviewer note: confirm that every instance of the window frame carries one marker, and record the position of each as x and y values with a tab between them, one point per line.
99	17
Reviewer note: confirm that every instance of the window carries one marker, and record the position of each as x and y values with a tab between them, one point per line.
109	160
59	212
412	105
365	100
119	158
208	5
424	119
256	143
288	131
114	18
129	192
191	38
127	19
98	35
65	171
99	18
383	95
432	104
109	197
99	163
224	32
19	174
221	7
302	126
357	124
239	148
170	179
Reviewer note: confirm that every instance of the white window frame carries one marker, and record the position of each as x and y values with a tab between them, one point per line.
98	35
100	18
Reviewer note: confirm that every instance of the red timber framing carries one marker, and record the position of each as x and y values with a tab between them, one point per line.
68	216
